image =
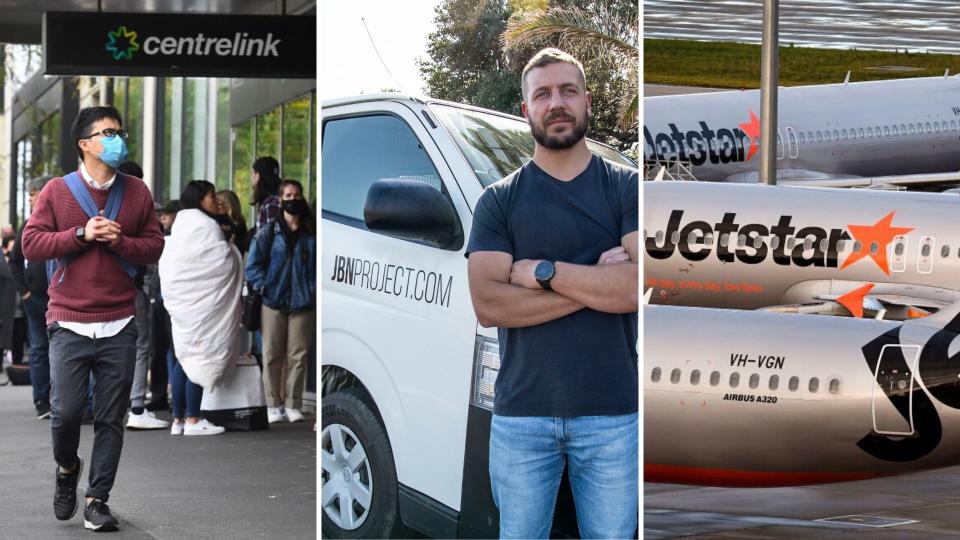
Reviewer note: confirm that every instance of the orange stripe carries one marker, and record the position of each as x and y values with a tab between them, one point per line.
700	476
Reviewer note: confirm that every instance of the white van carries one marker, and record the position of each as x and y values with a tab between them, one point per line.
408	374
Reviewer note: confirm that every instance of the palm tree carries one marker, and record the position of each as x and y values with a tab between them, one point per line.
607	33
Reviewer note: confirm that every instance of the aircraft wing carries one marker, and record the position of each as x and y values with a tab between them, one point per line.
930	180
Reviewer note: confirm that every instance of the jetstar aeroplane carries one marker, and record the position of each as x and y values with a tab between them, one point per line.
830	135
765	399
813	250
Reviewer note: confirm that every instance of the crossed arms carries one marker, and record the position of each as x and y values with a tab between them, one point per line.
506	294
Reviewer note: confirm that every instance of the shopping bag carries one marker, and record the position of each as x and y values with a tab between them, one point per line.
238	402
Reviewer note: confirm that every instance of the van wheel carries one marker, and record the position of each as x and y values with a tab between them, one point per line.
358	480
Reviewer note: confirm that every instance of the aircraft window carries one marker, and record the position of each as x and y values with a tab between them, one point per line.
794	383
874	247
819	136
945	251
834	386
774	382
928	127
836	135
725	239
841	244
792	241
708	239
741	240
655	375
913	129
826	136
886	131
953	125
895	133
903	129
660	236
824	245
878	131
853	133
775	243
757	242
692	237
695	377
936	127
810	136
675	376
861	133
808	243
870	132
814	385
675	237
844	133
925	250
802	139
857	247
734	379
754	380
715	378
898	249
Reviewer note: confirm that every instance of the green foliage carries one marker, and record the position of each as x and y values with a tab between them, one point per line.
737	65
468	63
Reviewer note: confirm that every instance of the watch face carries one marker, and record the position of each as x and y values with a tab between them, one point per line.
544	271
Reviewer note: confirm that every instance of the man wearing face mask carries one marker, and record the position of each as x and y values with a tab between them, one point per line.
96	224
282	264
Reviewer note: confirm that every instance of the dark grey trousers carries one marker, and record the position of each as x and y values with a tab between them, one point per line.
111	361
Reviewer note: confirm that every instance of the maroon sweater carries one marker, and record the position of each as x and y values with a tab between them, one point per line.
95	287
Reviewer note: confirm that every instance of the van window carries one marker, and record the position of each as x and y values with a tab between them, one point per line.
349	168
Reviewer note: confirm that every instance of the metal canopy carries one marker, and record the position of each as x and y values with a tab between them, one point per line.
21	20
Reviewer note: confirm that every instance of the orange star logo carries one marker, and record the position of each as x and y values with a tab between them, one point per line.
853	300
752	129
874	240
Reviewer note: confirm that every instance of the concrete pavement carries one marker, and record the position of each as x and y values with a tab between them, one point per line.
236	485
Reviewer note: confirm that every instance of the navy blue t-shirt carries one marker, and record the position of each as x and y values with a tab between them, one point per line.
583	364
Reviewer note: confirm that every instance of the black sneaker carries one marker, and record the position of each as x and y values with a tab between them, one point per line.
97	517
65	494
43	410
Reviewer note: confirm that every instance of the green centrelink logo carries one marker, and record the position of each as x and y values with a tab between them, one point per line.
122	43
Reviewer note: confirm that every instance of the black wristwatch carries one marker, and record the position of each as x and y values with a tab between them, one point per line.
80	234
544	273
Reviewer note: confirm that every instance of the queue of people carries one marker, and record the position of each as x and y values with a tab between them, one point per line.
161	323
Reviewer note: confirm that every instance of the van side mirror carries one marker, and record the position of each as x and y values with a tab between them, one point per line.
412	210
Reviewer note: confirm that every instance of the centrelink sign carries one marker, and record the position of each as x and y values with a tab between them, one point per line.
175	45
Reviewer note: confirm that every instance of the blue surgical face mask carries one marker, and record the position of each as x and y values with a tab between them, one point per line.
114	151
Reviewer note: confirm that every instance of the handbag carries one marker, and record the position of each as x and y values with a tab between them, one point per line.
253	301
238	402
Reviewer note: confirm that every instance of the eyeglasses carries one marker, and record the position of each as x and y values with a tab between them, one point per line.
108	132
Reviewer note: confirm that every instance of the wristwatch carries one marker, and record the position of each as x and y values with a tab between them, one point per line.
544	272
80	233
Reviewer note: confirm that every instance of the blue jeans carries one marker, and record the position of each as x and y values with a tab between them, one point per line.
36	309
527	455
186	393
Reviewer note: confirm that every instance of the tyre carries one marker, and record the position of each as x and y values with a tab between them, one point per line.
358	479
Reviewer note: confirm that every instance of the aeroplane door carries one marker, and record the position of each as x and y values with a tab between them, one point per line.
792	147
892	397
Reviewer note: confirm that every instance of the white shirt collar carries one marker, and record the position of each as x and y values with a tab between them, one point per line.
93	183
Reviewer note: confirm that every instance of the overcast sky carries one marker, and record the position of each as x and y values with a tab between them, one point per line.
348	62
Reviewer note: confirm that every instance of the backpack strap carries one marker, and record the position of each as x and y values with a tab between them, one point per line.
82	195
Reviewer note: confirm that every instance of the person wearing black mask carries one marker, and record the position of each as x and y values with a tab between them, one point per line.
282	265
